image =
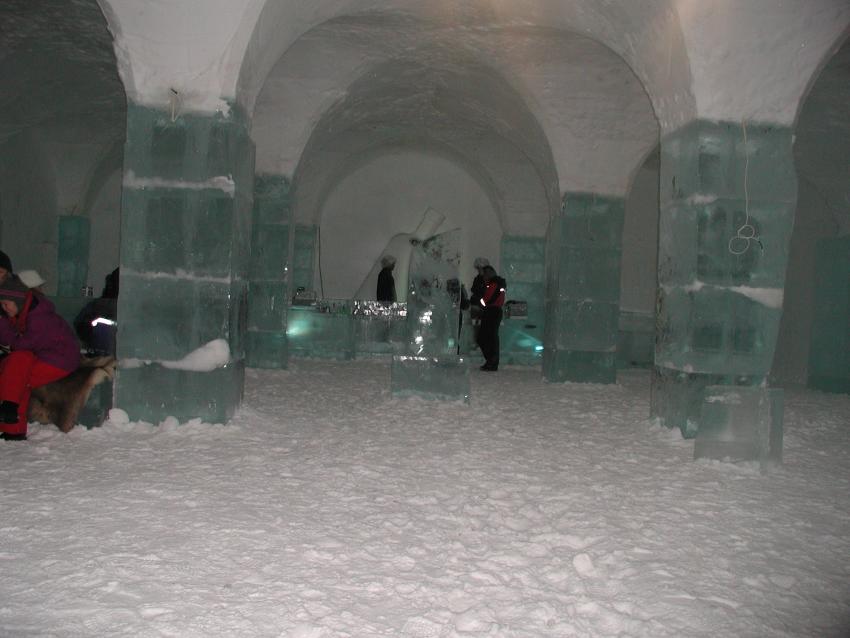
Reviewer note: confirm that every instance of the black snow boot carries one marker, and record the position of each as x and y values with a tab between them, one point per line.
8	412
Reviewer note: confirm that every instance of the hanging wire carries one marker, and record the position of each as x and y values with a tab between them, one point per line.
747	232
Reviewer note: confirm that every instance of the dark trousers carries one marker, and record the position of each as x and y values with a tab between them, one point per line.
488	336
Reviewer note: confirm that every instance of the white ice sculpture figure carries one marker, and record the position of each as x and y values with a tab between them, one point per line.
401	248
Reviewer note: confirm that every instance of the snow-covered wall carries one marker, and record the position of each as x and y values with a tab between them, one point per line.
389	196
755	59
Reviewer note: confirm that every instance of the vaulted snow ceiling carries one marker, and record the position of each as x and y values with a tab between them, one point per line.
58	67
526	112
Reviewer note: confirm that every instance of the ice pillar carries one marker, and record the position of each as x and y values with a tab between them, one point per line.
583	248
269	273
72	255
829	354
727	198
185	231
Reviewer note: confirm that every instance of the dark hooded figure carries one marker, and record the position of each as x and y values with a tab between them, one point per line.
386	282
42	348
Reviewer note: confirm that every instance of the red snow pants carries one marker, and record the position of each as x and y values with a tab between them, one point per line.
20	372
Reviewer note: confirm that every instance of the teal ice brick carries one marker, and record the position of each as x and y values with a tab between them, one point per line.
238	318
522	271
677	241
222	147
72	254
188	147
524	291
270	251
267	305
212	318
676	396
170	145
710	158
242	158
769	161
305	236
302	278
152	393
829	350
157	317
715	330
97	406
586	273
586	325
598	223
522	249
444	378
320	334
272	204
153	235
240	239
268	350
765	259
212	235
740	424
302	258
724	254
560	365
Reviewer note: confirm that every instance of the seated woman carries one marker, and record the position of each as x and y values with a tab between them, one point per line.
41	348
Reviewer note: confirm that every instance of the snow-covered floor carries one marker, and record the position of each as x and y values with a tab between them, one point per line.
327	508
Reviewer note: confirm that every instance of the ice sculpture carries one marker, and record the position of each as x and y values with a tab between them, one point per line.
401	247
428	365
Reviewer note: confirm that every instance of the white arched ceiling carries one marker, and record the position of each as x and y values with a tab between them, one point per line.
645	33
528	111
715	59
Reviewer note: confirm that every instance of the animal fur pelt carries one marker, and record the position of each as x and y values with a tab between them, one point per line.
60	402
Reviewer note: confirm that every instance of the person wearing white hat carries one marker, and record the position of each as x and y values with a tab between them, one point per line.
31	279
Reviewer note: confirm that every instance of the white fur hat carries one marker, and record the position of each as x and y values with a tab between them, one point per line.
30	278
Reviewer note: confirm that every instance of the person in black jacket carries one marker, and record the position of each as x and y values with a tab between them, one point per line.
95	323
475	292
386	283
491	302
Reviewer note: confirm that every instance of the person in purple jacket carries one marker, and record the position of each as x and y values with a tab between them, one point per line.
42	348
